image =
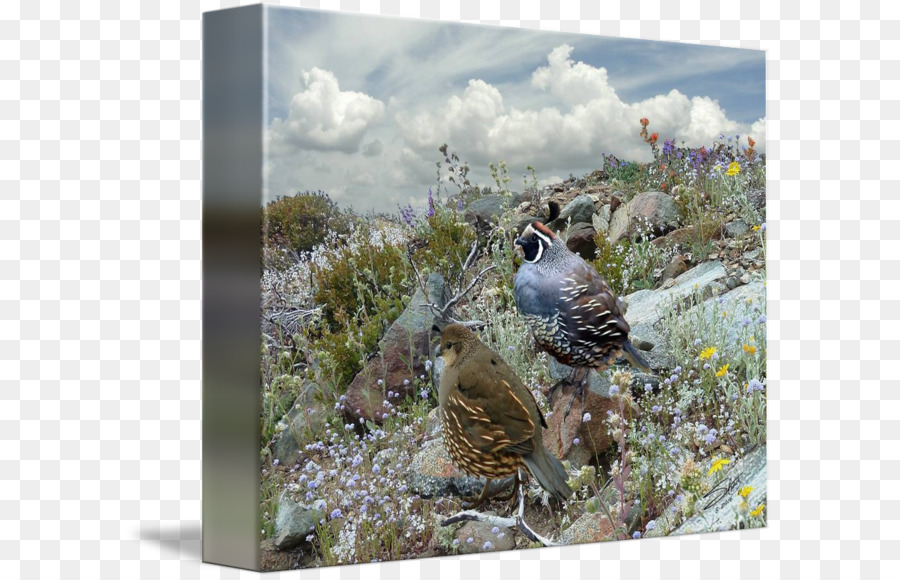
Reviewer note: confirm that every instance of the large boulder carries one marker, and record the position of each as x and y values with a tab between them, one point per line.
646	308
717	511
650	212
580	240
578	437
294	521
306	420
579	210
488	209
401	357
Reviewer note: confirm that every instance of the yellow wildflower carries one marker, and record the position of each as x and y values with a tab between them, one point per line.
750	348
745	491
717	465
752	338
733	168
724	313
722	371
755	228
706	353
758	509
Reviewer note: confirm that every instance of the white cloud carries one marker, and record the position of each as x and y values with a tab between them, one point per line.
593	120
323	117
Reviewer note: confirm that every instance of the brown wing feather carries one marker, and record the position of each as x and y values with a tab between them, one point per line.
494	405
593	314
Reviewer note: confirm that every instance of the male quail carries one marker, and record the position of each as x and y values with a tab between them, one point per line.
572	312
490	420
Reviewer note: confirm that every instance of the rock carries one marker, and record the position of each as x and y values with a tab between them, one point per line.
600	220
743	301
293	522
651	212
682	238
307	419
736	229
432	473
588	529
433	424
409	336
731	282
646	308
745	279
488	209
579	210
562	431
676	268
581	240
521	221
614	202
597	382
719	511
481	533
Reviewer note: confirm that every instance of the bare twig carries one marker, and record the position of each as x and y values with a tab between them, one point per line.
518	521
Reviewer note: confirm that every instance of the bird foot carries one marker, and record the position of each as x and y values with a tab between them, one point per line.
518	521
580	389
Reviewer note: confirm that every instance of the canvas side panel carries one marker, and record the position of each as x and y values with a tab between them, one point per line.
232	192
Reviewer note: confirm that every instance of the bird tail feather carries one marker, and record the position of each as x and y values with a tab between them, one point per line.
550	473
635	359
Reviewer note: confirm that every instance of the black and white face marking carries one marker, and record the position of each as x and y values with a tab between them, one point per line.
533	244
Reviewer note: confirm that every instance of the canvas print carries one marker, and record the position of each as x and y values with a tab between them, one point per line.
513	289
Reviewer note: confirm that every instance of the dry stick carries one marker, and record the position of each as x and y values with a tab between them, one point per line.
443	313
518	521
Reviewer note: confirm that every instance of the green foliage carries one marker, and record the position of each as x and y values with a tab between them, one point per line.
362	289
611	263
443	243
303	221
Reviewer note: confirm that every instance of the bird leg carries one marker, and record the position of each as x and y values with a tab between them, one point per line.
580	388
518	521
568	380
485	493
512	493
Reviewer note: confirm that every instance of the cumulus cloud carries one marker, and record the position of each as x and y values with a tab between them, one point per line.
373	148
323	117
592	120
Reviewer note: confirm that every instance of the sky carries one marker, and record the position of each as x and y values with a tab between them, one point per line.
357	106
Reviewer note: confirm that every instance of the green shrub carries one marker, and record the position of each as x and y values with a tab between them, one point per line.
362	289
303	221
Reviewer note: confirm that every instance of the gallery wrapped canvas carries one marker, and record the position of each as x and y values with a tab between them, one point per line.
471	289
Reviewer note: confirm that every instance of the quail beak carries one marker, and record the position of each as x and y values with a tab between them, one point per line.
438	351
517	248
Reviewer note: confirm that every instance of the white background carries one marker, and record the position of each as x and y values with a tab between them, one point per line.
100	288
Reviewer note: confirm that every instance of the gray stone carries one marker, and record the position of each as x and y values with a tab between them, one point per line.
294	522
736	229
480	533
743	301
578	210
597	382
651	212
488	209
588	529
731	282
600	220
432	473
647	307
721	511
402	352
521	221
745	278
306	420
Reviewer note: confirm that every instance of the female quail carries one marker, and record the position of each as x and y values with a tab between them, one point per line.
490	420
572	312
